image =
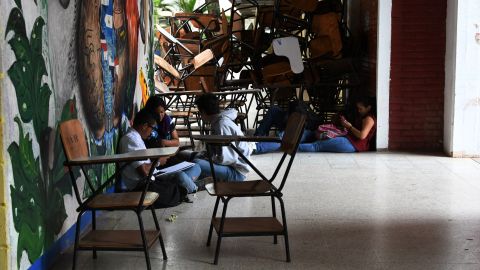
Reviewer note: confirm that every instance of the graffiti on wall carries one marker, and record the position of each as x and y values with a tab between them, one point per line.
106	49
39	182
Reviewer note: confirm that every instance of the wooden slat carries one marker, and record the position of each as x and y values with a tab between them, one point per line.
130	156
117	239
249	225
245	188
162	63
176	114
121	200
202	58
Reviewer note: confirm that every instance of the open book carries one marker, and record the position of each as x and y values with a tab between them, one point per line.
177	167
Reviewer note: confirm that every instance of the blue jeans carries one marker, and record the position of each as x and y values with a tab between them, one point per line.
222	172
337	145
266	147
275	117
186	177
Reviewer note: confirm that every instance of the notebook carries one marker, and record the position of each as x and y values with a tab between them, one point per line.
178	167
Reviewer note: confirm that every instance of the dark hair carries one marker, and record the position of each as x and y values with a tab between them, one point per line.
143	117
154	102
368	101
208	103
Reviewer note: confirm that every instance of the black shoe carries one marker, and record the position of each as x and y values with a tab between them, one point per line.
186	199
200	183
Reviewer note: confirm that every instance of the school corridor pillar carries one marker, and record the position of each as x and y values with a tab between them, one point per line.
462	79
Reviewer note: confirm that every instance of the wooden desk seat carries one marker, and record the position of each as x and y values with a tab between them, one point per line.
128	200
239	189
117	240
249	226
180	114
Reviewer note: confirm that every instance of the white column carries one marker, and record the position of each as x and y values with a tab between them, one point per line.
462	79
383	71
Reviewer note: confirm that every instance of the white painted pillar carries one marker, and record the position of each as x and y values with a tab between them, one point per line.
462	79
384	42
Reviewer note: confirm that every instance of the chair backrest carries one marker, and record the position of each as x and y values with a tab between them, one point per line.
73	139
163	64
290	48
202	58
293	131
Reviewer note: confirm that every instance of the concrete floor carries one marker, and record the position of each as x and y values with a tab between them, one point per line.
344	211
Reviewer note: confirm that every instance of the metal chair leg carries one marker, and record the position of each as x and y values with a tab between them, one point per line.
285	231
274	214
160	238
77	239
144	240
189	128
220	231
211	221
94	227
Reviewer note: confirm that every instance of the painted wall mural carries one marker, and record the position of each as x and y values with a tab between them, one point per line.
66	59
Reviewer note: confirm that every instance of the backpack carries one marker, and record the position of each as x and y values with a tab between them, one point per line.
170	193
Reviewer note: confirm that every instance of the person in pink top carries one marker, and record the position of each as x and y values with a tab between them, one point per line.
360	132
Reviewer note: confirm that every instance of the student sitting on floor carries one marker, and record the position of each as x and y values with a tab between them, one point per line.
228	166
357	138
164	133
143	125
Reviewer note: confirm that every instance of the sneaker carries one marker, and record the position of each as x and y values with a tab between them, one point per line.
253	146
200	183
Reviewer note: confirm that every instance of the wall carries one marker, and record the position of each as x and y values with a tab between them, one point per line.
462	91
63	59
417	75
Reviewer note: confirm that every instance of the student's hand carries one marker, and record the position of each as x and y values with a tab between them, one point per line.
336	120
163	160
346	124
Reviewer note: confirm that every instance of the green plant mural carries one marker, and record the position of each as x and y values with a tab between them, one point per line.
39	182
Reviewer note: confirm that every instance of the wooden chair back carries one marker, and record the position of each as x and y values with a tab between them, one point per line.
327	30
163	64
73	139
202	78
202	58
293	131
278	73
